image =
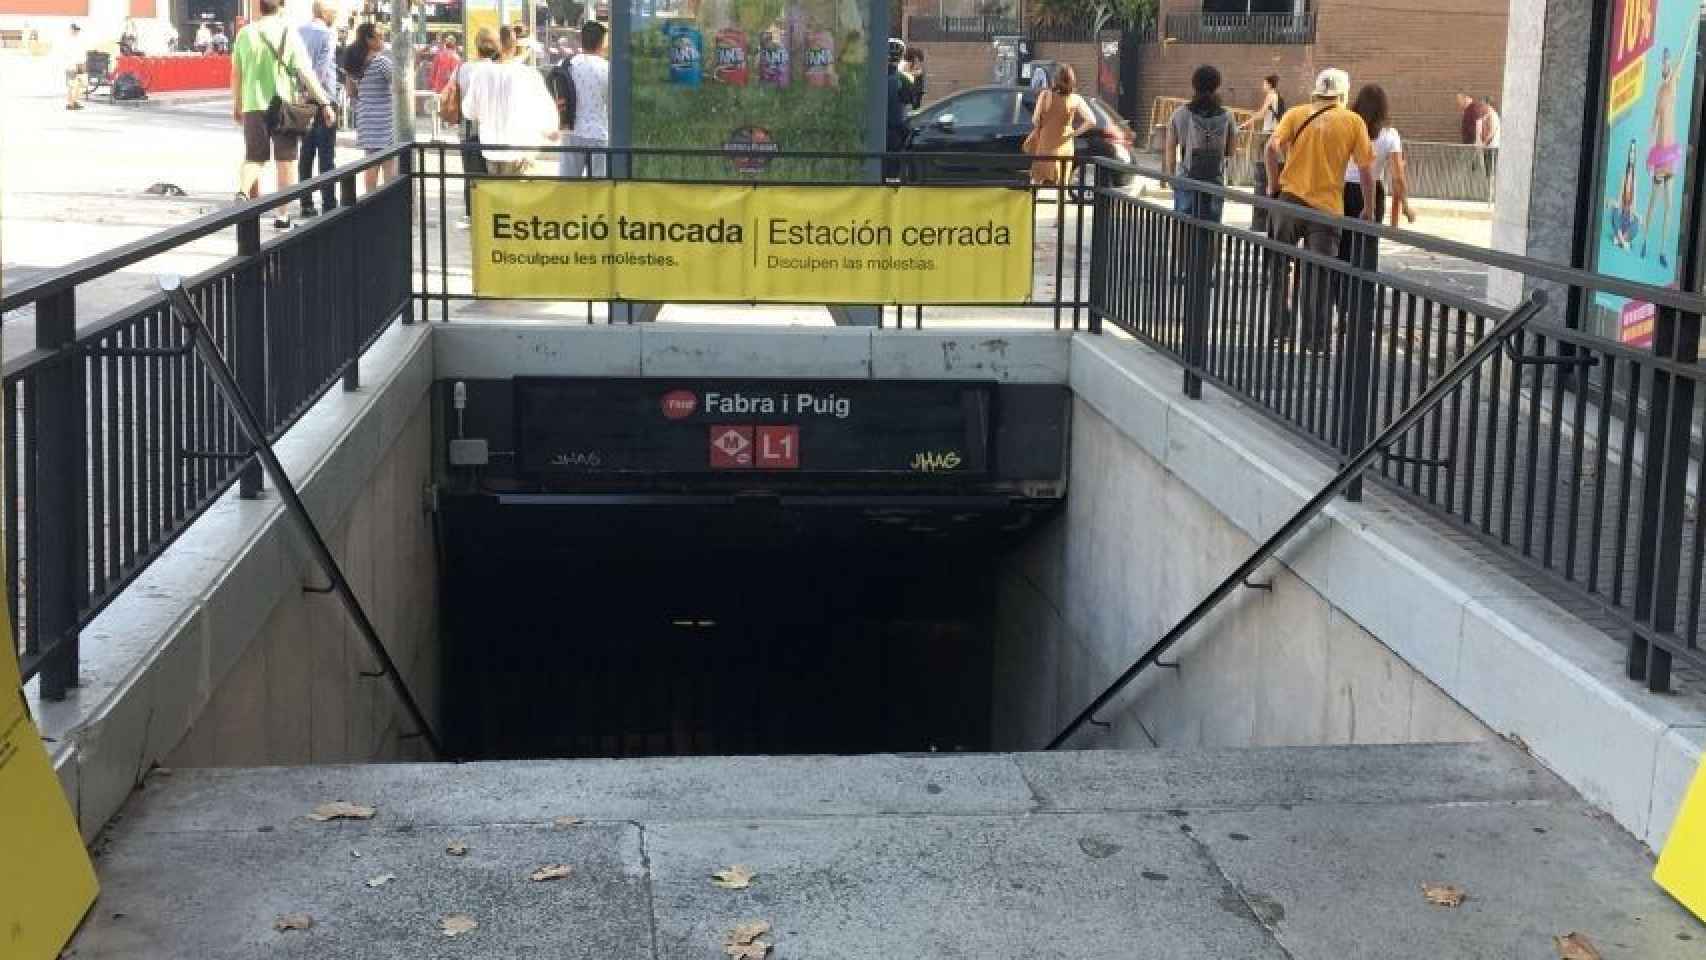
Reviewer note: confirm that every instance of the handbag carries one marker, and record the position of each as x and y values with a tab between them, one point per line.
450	103
295	116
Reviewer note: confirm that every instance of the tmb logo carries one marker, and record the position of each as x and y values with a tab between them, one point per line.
680	404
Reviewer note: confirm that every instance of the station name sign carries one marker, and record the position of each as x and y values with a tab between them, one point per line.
568	427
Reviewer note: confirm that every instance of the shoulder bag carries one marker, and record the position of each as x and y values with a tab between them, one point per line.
293	116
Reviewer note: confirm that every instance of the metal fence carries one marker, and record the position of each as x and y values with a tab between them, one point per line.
117	439
1571	453
1251	28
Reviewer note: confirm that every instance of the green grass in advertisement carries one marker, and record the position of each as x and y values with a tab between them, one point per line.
753	77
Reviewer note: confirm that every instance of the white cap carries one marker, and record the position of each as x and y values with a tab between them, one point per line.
1332	82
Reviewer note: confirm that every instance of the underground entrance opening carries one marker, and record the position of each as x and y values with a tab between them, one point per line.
616	626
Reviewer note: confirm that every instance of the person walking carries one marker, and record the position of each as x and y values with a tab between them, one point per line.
1318	140
1490	135
589	71
1263	121
267	62
484	54
220	43
508	101
369	70
911	73
1358	249
75	53
1060	118
1199	139
203	38
320	143
444	65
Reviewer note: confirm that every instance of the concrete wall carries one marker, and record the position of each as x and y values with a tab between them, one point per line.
1135	549
1458	616
216	656
297	695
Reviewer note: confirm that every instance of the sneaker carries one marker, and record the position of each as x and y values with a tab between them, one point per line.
308	212
281	223
74	106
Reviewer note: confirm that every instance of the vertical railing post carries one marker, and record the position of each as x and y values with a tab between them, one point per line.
249	337
354	295
1356	396
1199	280
1100	214
1658	563
406	255
61	507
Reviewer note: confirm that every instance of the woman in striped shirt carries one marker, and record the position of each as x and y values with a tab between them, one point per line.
369	71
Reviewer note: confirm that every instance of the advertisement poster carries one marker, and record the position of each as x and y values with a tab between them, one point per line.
1651	67
634	240
751	78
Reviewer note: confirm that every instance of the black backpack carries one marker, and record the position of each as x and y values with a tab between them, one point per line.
127	87
1205	145
562	85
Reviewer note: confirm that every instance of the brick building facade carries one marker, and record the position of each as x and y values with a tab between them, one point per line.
1422	53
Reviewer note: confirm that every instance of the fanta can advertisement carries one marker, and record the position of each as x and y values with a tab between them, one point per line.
750	77
1651	68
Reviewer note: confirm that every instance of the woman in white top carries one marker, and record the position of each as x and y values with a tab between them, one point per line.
1371	105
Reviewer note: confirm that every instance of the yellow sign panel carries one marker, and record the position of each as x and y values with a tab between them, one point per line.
46	880
705	243
1682	866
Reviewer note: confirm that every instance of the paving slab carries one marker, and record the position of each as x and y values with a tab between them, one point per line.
538	791
218	894
1073	887
1304	853
1346	881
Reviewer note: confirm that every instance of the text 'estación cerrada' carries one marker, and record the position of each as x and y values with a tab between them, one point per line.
751	243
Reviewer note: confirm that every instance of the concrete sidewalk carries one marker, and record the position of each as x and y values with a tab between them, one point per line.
1308	854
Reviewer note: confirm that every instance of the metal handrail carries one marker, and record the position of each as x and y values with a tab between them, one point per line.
98	265
1516	263
191	320
1347	475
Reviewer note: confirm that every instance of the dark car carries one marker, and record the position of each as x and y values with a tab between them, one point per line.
994	121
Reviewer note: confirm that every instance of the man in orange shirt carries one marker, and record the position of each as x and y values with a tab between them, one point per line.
1318	142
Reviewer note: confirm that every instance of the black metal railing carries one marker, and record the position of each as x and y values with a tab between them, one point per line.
1572	453
117	438
1251	28
927	29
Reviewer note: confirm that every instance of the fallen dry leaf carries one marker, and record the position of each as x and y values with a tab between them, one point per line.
293	921
743	943
1443	894
563	823
456	848
550	871
457	924
736	877
341	810
1575	946
381	880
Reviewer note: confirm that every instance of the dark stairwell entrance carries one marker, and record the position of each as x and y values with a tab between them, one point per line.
711	626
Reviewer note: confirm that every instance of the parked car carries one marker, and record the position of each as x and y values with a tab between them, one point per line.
994	121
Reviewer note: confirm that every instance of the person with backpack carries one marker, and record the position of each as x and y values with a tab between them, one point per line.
581	87
1318	140
269	66
1200	136
1263	121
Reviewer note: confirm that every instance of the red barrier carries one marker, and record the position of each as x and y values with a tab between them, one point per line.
190	71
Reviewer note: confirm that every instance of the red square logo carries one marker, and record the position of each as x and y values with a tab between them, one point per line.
731	447
779	448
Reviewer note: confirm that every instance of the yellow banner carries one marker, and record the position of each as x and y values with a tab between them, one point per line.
705	243
46	880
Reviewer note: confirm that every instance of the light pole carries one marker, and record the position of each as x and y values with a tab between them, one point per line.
403	62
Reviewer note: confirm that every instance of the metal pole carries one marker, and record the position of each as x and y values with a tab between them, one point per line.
1448	382
403	60
190	318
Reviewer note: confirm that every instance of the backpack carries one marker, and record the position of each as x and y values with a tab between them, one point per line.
127	87
1205	145
562	84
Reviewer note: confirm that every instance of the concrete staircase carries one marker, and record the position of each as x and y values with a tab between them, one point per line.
1281	853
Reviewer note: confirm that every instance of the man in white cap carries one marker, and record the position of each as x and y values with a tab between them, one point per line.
1318	141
